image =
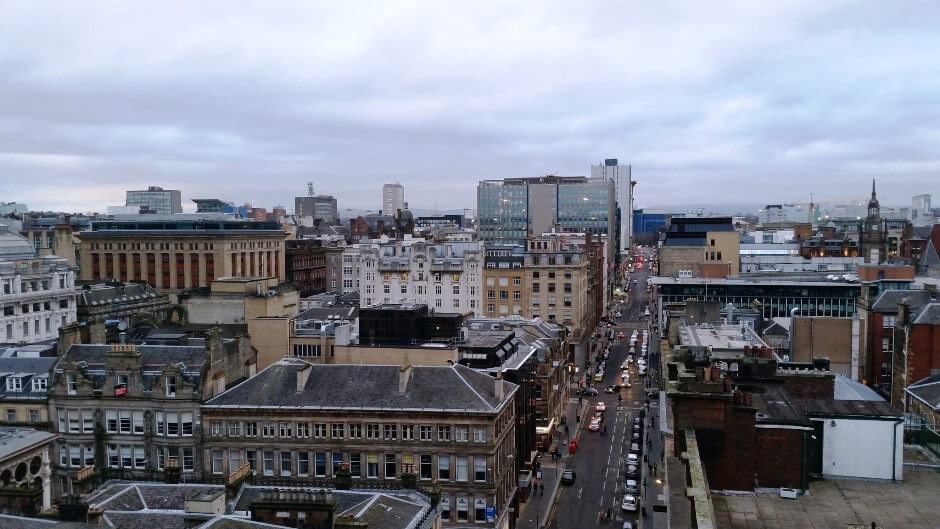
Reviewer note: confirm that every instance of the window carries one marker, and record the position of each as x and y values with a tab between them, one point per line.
286	429
490	307
463	468
40	383
462	434
425	467
443	433
285	463
138	422
456	290
889	320
303	430
172	425
424	432
479	510
268	463
407	432
438	290
89	455
372	465
516	295
33	416
444	506
391	432
124	421
306	349
462	509
479	468
535	287
337	462
251	429
886	345
303	463
390	466
337	430
216	461
14	383
443	468
73	420
267	429
234	460
355	431
11	415
170	386
479	434
234	428
187	424
251	457
372	431
319	463
355	465
189	460
71	384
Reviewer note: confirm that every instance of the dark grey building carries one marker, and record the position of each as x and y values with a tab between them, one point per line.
318	207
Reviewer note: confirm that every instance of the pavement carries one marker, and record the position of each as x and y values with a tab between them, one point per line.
856	503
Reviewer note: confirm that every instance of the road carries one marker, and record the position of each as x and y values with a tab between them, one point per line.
598	462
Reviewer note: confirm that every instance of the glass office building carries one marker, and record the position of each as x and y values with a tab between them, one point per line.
512	209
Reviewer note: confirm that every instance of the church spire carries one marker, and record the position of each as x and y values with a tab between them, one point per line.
873	188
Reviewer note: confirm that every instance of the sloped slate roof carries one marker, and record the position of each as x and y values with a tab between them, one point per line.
847	408
344	386
888	300
927	389
928	315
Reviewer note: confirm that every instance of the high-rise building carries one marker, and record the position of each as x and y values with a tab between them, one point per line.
620	175
514	209
921	214
393	198
156	200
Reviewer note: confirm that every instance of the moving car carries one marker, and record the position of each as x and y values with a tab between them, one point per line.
594	426
621	335
612	389
628	525
629	503
599	416
634	281
600	406
589	392
567	477
618	314
642	370
599	376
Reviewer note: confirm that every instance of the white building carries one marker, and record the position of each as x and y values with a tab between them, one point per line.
393	198
37	296
783	213
623	193
921	213
447	276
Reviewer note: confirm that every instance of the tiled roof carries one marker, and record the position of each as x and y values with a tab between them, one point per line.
927	390
928	315
888	300
152	520
847	408
155	356
31	368
14	440
344	386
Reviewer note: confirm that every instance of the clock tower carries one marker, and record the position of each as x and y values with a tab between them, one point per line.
872	238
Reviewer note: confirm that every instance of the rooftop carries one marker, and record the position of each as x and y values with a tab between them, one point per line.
888	300
16	440
432	388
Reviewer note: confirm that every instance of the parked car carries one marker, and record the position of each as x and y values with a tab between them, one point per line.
633	471
594	426
631	486
573	446
629	503
633	458
641	371
652	393
635	447
628	525
589	392
568	477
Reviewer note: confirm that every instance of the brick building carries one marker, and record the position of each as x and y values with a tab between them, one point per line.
917	347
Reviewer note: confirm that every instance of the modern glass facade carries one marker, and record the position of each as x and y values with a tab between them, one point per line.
509	209
585	207
503	213
837	299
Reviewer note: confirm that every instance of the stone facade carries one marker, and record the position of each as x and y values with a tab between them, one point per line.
37	296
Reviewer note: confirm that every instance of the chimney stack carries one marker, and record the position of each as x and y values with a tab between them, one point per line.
303	374
404	374
499	386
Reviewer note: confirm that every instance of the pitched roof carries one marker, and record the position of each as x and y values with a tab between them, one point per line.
345	386
848	389
926	390
929	314
27	368
847	408
888	300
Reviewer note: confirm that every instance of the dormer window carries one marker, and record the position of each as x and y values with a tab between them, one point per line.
14	384
40	383
71	382
170	386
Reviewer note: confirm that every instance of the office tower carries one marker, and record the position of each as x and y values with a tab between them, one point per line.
393	198
620	175
156	200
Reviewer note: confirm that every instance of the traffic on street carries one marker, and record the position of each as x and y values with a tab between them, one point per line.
613	473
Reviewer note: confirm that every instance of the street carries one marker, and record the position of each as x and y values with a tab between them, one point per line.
600	459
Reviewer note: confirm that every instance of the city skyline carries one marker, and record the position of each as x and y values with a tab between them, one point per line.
706	103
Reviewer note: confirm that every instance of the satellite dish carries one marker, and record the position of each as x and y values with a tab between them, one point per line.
122	325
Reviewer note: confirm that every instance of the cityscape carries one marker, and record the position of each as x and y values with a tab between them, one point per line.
293	268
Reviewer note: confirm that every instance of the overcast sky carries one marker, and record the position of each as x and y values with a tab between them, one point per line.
711	102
